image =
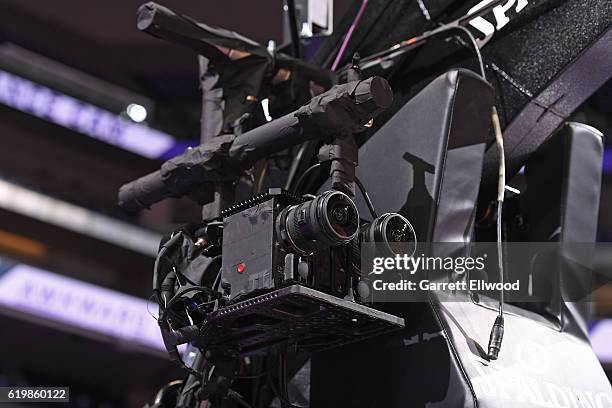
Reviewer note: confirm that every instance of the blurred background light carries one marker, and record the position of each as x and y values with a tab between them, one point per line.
136	112
100	312
78	219
601	340
84	118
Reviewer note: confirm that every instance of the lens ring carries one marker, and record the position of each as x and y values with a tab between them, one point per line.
330	202
284	232
330	219
382	229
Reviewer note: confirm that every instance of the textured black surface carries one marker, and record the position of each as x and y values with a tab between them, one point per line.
522	59
259	198
536	51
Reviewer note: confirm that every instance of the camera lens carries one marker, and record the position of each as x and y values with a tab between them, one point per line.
328	220
393	231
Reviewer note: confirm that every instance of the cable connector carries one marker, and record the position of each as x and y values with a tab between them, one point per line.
496	337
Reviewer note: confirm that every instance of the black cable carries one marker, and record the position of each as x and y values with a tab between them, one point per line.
283	393
497	331
185	278
167	330
366	197
238	398
252	377
217	281
295	164
476	50
467	32
162	252
305	174
407	45
396	51
183	292
500	205
276	392
167	310
360	185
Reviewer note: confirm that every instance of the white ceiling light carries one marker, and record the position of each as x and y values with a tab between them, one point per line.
136	112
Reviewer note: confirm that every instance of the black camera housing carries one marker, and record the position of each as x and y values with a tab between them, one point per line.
259	254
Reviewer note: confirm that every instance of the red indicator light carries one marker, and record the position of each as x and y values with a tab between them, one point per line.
240	268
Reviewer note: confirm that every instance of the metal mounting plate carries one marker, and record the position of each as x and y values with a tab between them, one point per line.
296	316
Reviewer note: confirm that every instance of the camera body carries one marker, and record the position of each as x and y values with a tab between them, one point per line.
277	239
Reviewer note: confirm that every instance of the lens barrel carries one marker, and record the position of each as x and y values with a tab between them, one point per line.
393	231
328	220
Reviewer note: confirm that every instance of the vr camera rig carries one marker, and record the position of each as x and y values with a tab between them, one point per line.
209	240
197	250
279	269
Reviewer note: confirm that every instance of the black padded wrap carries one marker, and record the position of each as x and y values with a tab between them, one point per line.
341	110
162	22
205	163
344	109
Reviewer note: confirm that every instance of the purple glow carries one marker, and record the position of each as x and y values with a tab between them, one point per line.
179	148
601	340
79	304
63	110
607	160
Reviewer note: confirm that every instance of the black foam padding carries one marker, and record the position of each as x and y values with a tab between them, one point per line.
563	195
561	204
425	162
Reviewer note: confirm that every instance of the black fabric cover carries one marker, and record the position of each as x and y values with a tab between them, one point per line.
426	160
524	60
561	204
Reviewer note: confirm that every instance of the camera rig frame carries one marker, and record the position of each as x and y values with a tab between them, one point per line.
220	325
